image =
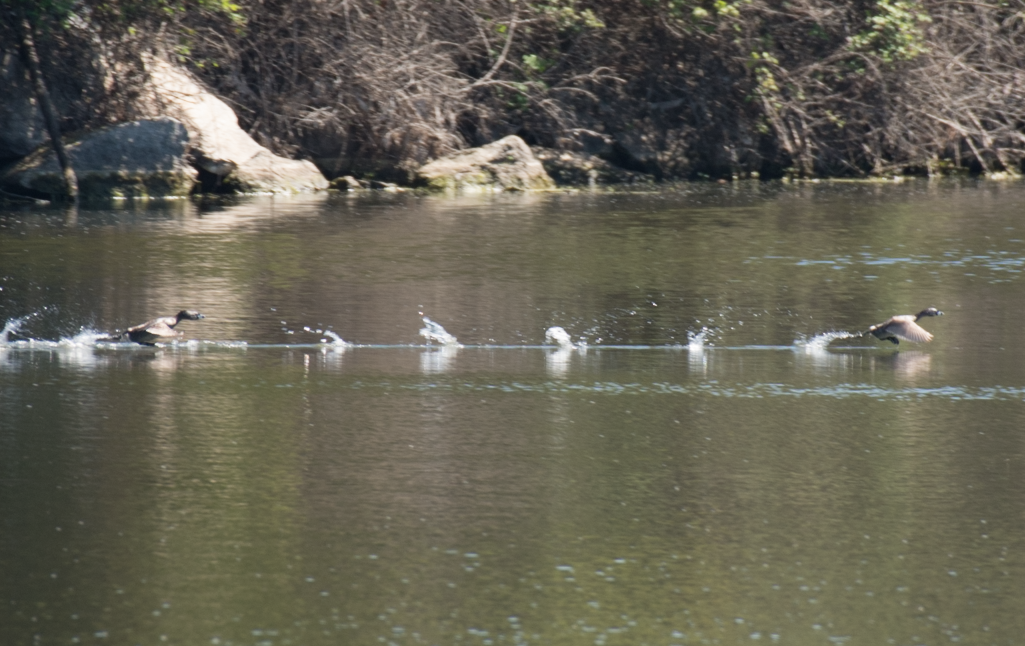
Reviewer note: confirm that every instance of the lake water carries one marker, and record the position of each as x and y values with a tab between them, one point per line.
704	468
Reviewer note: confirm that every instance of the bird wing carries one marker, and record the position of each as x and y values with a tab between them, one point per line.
140	327
908	330
162	326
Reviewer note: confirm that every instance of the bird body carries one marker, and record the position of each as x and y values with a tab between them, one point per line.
904	326
159	329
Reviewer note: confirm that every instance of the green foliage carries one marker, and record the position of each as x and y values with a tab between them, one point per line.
763	62
895	31
704	10
519	100
566	15
727	9
131	9
837	121
536	64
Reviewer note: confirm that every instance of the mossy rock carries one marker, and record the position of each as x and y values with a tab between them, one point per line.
103	186
140	159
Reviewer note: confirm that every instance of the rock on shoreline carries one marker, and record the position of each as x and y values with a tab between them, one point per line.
503	165
219	146
190	136
145	158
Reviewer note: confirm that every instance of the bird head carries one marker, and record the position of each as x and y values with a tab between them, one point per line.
191	315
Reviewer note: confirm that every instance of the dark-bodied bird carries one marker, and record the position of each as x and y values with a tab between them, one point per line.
159	329
903	326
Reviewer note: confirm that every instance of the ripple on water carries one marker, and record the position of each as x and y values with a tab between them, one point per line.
748	391
1000	262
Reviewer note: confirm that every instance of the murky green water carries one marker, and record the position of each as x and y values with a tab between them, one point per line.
257	486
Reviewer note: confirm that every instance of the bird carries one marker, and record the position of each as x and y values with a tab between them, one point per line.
903	326
159	329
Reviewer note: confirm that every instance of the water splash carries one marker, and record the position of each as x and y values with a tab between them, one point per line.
10	327
334	341
559	336
86	338
820	342
696	340
434	332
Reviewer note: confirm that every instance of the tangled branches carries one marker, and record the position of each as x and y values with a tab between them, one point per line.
679	88
891	87
383	84
967	97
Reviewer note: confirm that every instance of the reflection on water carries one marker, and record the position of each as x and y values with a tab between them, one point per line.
439	360
276	486
557	361
690	475
910	365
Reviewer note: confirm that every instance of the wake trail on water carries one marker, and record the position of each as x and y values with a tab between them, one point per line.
821	341
698	341
90	338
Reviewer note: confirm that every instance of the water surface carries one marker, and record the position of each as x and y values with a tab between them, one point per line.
254	484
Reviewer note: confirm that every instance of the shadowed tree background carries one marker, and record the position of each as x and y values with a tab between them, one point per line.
676	88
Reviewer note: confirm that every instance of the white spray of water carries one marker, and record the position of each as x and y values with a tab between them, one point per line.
335	340
560	337
696	340
84	339
820	342
434	332
10	327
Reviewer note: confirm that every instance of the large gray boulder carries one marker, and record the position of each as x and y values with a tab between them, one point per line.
503	165
219	145
145	158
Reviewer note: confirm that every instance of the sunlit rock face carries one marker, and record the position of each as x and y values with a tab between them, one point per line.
145	158
503	165
219	146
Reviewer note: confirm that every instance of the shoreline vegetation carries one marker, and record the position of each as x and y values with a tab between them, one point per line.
603	91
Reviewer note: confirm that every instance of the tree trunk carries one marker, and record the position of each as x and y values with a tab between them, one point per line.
31	56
